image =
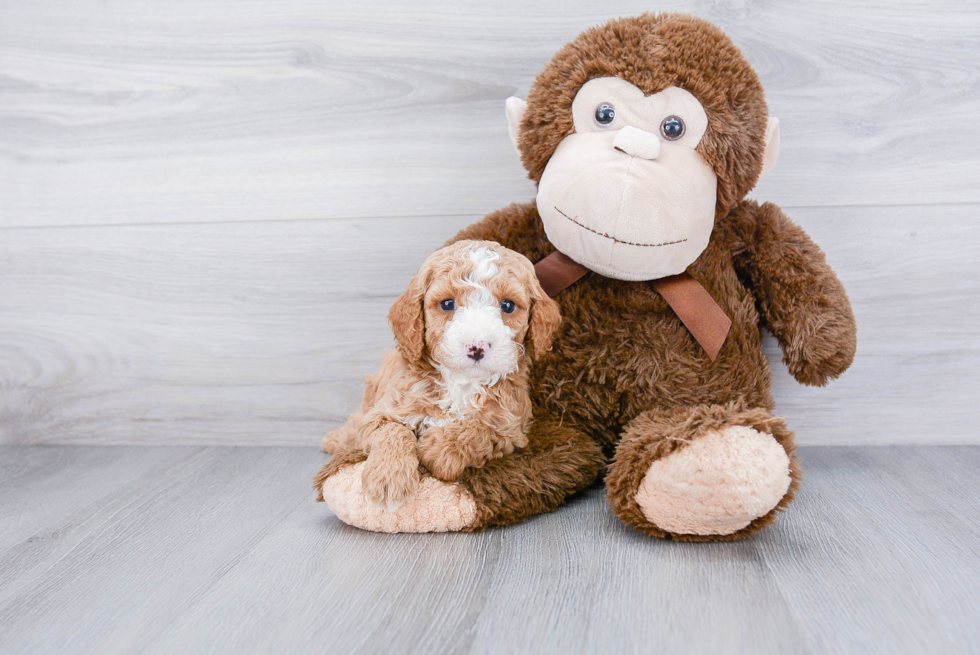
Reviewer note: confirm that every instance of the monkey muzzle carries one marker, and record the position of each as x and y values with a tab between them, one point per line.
626	205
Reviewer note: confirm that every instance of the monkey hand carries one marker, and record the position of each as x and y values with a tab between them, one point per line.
822	344
799	297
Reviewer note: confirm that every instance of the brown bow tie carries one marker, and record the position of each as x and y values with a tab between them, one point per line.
697	310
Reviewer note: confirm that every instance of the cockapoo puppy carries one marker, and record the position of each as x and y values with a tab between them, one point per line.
454	393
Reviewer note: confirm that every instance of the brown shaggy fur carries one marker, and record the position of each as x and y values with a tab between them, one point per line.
626	381
653	52
407	388
622	354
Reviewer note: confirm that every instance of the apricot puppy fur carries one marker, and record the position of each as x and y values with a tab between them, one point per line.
454	394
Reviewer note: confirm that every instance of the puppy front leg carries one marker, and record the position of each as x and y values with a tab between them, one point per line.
449	450
391	473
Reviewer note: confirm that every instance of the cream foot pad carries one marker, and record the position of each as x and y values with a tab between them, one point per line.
717	485
437	506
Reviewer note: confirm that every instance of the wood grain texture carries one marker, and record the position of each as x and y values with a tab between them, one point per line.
145	112
261	333
223	550
158	286
890	540
124	563
75	480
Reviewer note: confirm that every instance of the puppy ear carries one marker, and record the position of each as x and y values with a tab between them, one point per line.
407	318
545	319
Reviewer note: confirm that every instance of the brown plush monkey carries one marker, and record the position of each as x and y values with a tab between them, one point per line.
644	136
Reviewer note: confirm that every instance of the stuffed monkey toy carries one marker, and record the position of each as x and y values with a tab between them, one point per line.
644	136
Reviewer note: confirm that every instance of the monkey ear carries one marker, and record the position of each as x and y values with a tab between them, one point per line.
407	318
772	146
515	113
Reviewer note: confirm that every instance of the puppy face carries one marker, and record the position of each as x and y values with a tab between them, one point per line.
476	317
473	308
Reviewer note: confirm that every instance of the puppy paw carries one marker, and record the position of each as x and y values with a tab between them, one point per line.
449	450
440	452
390	482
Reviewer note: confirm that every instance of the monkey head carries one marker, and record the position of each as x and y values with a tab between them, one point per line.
640	134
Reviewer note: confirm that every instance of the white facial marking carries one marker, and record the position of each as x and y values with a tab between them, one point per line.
485	261
477	348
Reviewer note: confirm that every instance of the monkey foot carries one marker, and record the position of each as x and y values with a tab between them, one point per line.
436	507
717	485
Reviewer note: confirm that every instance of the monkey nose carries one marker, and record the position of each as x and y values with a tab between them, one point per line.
637	143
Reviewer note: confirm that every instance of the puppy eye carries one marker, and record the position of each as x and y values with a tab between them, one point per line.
672	128
508	306
448	305
605	114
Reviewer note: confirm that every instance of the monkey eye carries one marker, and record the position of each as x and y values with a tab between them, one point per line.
448	305
508	306
672	128
605	114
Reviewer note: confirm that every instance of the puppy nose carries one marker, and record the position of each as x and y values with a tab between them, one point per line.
637	143
476	351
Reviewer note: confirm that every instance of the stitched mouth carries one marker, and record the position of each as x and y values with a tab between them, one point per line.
612	238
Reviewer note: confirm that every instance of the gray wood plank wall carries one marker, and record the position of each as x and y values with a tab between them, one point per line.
206	208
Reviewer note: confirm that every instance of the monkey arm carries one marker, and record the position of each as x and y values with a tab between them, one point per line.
799	297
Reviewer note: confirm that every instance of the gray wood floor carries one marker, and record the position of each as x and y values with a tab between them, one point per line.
222	549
